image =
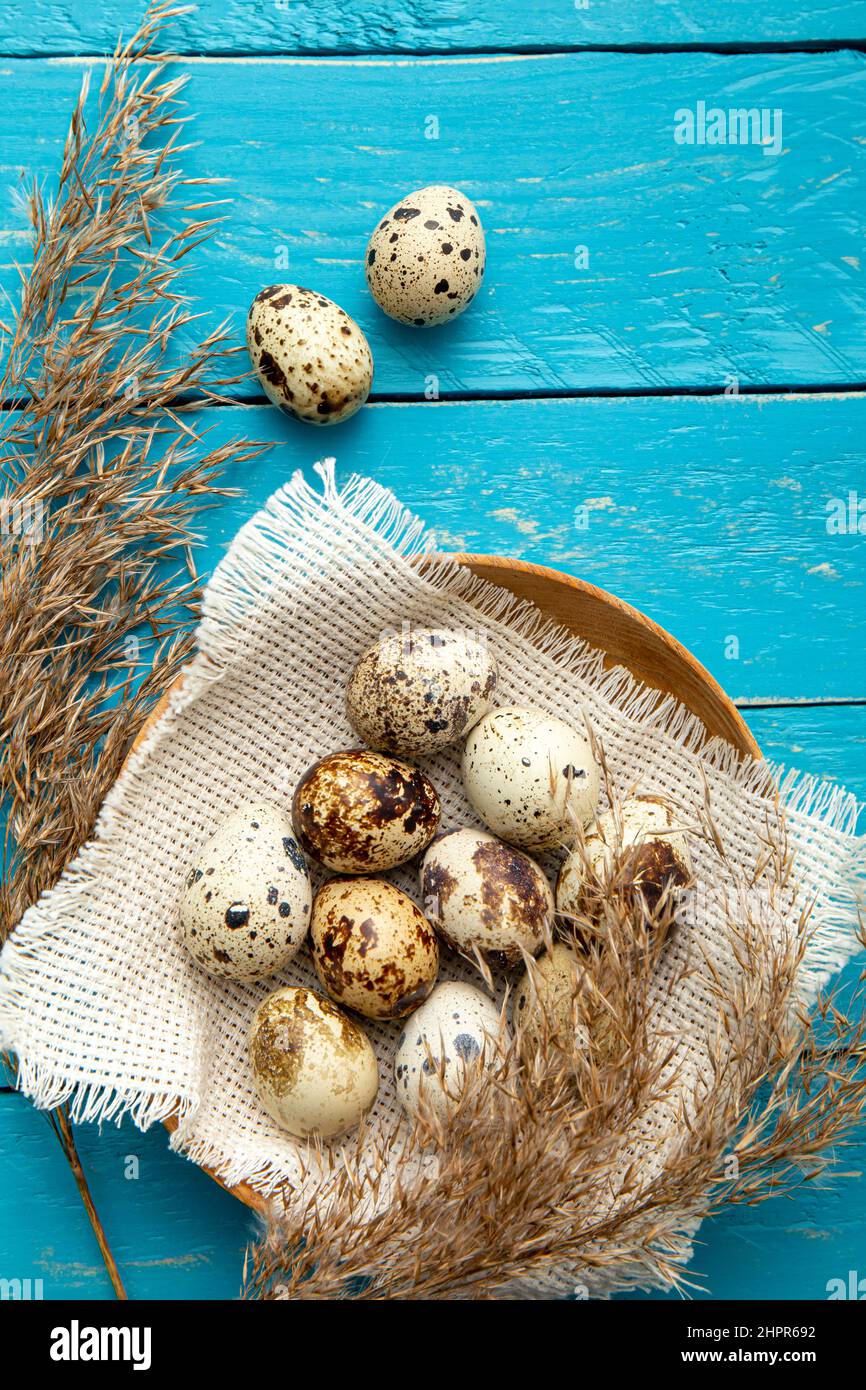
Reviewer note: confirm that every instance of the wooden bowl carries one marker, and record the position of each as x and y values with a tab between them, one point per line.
627	638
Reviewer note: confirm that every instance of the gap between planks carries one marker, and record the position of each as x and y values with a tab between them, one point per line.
760	702
829	390
384	57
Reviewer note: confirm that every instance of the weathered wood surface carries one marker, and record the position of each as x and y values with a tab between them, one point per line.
618	258
318	26
704	267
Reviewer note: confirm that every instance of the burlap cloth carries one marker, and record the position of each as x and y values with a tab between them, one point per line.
98	998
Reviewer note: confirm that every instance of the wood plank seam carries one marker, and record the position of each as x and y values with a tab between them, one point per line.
528	50
577	393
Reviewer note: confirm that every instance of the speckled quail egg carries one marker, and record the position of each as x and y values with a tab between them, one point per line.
245	906
546	998
359	812
644	843
457	1029
311	358
419	690
314	1070
479	892
425	260
530	777
374	950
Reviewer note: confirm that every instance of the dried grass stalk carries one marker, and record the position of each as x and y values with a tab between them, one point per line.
102	477
531	1176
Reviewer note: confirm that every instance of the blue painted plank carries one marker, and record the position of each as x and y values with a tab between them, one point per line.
619	259
709	514
174	1232
177	1235
315	26
828	741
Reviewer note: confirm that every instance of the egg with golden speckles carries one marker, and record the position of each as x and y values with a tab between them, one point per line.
547	998
482	894
425	260
314	1070
373	948
359	812
456	1031
416	691
311	358
245	906
531	777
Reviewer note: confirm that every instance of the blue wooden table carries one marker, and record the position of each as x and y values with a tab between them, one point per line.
670	341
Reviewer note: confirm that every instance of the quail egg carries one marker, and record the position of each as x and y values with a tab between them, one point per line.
479	892
314	1070
457	1029
374	950
311	359
245	906
419	690
425	260
359	812
546	997
531	777
644	843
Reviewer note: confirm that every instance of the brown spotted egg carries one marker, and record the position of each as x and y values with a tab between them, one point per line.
311	358
374	950
642	846
425	260
419	690
481	893
456	1032
531	778
359	812
314	1070
245	907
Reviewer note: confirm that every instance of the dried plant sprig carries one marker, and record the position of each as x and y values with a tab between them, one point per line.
534	1174
102	477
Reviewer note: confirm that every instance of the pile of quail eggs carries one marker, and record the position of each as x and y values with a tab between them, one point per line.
248	908
424	265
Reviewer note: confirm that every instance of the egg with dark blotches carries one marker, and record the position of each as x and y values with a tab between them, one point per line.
311	358
482	894
640	847
373	948
456	1032
425	260
419	690
360	812
314	1069
245	905
532	778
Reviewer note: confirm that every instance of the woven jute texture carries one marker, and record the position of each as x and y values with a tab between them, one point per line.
98	998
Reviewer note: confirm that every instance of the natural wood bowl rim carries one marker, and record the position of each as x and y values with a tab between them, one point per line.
750	746
246	1192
